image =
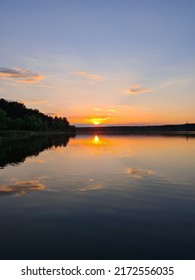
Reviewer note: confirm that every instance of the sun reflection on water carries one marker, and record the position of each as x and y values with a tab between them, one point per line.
97	141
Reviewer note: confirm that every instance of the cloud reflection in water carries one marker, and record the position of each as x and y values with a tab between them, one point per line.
21	188
139	173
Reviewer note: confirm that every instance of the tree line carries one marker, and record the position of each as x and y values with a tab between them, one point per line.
15	116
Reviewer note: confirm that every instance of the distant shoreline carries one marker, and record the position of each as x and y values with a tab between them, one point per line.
166	130
181	129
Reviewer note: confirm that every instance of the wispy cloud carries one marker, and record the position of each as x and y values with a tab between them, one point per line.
106	110
175	82
97	109
35	160
87	75
137	89
112	110
20	75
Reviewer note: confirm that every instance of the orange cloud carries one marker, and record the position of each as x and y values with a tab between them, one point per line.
137	89
20	75
106	110
88	76
97	109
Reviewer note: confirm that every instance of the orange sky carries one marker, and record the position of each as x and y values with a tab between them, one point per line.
134	68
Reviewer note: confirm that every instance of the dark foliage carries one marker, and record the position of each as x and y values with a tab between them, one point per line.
158	129
14	115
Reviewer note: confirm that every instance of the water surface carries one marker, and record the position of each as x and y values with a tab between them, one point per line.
98	197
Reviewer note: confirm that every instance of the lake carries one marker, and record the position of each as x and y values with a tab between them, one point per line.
97	197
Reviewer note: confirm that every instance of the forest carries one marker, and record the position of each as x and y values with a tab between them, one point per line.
15	116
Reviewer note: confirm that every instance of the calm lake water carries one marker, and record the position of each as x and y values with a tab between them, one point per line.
98	197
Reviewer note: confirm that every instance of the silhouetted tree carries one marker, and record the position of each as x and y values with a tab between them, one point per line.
4	120
15	115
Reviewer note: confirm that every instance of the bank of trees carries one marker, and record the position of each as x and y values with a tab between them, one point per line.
15	116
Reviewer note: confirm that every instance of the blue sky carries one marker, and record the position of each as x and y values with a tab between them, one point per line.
132	60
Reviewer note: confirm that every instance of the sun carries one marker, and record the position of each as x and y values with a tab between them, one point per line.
96	122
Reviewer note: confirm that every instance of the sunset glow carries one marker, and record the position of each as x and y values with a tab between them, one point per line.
134	76
97	137
98	141
98	120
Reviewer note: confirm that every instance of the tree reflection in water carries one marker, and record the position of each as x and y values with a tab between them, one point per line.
15	152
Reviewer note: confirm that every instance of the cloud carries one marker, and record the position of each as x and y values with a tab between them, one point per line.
175	82
20	75
88	76
44	177
106	110
137	89
97	109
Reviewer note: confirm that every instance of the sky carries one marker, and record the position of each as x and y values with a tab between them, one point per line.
100	62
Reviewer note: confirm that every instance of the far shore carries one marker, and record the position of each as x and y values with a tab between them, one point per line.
166	130
181	129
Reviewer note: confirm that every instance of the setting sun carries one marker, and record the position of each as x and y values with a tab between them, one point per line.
96	121
97	137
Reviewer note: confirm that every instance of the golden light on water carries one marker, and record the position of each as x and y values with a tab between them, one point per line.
96	140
